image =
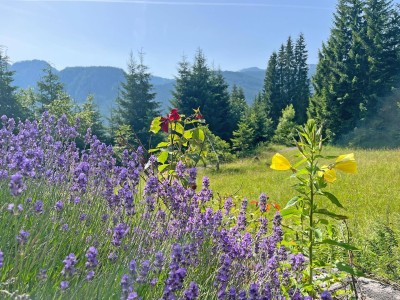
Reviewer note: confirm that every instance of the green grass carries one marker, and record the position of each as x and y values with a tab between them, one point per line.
370	197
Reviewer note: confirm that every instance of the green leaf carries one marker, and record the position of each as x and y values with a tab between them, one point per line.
291	211
198	134
178	128
339	244
326	212
188	134
155	125
162	158
292	202
341	266
162	145
333	199
162	167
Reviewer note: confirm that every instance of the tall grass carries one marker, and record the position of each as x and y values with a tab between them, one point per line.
371	197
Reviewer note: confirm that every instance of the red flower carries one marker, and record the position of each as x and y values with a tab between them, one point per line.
164	124
199	116
173	115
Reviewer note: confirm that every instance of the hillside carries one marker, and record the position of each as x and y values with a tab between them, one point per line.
103	82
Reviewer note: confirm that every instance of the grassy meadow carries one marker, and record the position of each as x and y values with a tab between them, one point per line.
371	198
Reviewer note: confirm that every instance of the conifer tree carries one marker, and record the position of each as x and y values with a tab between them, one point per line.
238	105
285	130
198	86
49	88
136	106
8	104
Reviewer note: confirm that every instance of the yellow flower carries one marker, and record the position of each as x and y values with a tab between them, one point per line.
328	174
346	163
280	163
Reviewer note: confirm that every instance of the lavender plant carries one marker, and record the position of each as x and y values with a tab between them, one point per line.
77	224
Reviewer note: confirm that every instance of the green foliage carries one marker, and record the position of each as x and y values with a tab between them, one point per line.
311	217
199	86
359	61
242	140
27	100
135	104
8	104
50	89
286	80
185	141
285	131
218	150
90	117
238	105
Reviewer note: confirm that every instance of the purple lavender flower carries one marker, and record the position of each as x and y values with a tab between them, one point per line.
228	204
263	202
64	285
112	256
125	285
325	295
119	233
82	217
90	275
91	256
223	275
104	217
22	238
144	270
192	292
69	265
241	220
20	207
242	295
59	205
133	268
180	169
177	274
1	259
10	207
38	207
16	184
253	291
132	296
65	227
159	260
232	293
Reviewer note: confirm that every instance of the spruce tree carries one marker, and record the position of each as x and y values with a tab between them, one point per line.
238	105
198	86
49	88
136	106
8	104
302	82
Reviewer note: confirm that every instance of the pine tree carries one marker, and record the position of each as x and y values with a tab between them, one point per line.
242	140
238	105
198	86
302	82
49	88
135	105
90	117
382	43
285	130
8	104
339	83
271	90
259	121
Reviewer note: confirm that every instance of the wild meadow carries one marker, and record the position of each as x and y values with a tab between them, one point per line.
370	198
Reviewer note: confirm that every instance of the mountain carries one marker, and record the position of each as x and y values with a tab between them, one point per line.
104	82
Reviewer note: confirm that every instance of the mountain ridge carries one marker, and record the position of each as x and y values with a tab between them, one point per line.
103	82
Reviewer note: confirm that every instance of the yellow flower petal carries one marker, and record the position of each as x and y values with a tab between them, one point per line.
346	163
328	174
280	163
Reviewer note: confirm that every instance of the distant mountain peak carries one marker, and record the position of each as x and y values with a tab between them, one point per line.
251	69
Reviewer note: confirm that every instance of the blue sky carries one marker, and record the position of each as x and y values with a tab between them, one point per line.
233	34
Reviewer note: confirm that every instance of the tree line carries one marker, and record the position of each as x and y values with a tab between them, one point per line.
358	65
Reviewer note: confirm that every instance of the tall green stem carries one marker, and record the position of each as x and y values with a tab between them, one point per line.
310	233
